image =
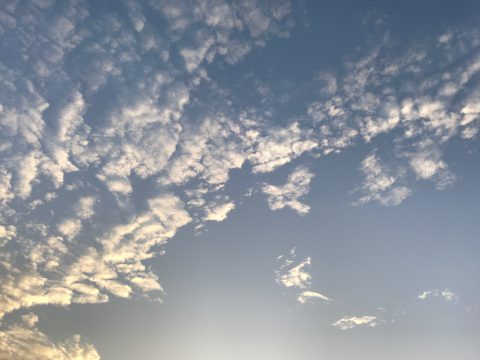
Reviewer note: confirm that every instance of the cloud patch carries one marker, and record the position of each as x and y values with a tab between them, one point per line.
381	184
296	276
311	296
104	157
28	343
291	193
445	294
350	322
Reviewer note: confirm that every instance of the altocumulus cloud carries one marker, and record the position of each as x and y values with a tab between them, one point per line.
290	194
74	161
57	145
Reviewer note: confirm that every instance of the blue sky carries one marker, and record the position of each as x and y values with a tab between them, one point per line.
255	179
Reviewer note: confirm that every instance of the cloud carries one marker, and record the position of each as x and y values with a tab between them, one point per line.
289	194
295	276
446	294
350	322
17	342
27	172
327	83
104	157
69	227
30	319
279	146
219	212
426	163
7	233
310	296
84	207
234	29
425	168
70	151
381	184
406	96
208	151
113	267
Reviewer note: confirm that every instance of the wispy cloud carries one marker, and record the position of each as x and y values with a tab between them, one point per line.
446	294
311	296
296	276
350	322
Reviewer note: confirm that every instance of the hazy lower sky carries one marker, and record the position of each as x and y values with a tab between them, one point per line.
241	180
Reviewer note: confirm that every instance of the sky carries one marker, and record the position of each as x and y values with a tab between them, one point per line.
255	179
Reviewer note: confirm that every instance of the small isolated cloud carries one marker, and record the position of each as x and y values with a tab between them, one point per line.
350	322
445	294
311	296
290	194
294	275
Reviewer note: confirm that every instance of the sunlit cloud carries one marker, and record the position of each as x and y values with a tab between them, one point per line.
104	157
350	322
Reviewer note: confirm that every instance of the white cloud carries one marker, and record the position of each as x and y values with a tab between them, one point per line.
84	111
381	184
194	57
138	131
7	233
296	276
425	168
27	343
350	322
279	147
219	212
208	151
290	194
471	110
30	319
327	83
84	207
426	163
309	296
420	119
109	165
69	227
27	172
6	193
446	294
470	132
